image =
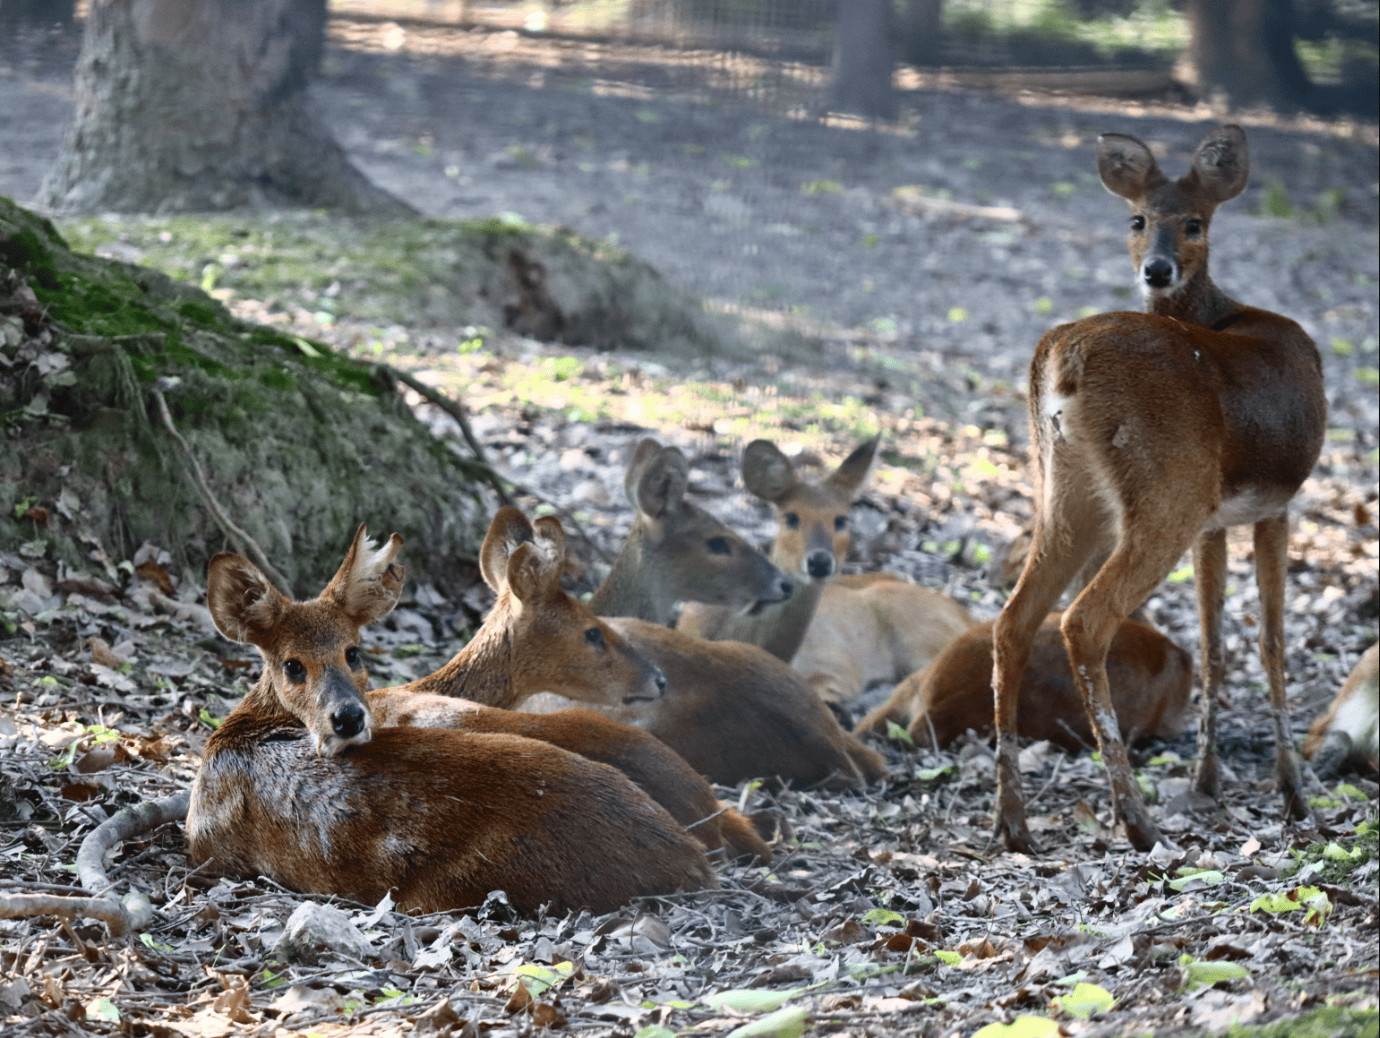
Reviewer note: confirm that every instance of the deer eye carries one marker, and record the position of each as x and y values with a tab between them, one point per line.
295	671
595	637
352	657
840	523
1137	223
792	521
718	546
1193	227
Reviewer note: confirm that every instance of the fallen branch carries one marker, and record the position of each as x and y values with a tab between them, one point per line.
131	912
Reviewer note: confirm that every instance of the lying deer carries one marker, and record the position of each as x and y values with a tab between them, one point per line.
1347	733
1153	433
732	710
297	784
1150	679
844	633
537	638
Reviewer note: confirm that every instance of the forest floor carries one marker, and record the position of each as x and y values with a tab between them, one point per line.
906	276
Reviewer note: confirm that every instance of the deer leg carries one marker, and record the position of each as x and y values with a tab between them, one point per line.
1271	558
1057	551
1210	576
1141	559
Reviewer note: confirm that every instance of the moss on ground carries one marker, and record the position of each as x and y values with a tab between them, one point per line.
549	284
298	442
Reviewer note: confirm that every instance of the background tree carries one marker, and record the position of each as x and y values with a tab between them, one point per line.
864	53
202	105
35	13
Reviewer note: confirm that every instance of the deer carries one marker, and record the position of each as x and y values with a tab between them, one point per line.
1150	677
1347	732
844	632
299	784
537	638
1152	433
732	710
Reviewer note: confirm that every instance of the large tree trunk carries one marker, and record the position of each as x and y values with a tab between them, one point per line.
194	105
863	57
1245	48
923	21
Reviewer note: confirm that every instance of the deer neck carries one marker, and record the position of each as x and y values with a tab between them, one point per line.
1198	302
629	589
481	672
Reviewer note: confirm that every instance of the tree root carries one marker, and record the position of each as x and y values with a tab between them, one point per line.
131	912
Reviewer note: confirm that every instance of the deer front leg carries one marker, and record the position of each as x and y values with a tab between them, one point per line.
1271	558
1210	574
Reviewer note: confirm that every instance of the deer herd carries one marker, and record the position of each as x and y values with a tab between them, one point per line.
565	754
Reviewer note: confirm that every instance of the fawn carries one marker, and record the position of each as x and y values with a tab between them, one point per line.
538	638
1153	433
843	633
1150	679
297	784
1348	732
732	710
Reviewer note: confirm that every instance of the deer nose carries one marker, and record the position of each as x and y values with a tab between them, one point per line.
819	564
347	720
1158	273
658	679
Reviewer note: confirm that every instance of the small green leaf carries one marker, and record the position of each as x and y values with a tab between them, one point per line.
538	980
1021	1027
957	313
1181	574
150	942
103	1009
884	917
930	774
898	734
752	1000
1208	877
1205	974
656	1031
948	958
784	1023
205	717
1085	1001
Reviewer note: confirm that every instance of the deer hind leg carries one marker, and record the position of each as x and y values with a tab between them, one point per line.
1271	558
1145	552
1062	541
1210	575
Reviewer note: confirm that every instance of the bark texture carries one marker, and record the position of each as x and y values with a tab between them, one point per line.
1245	48
864	52
196	105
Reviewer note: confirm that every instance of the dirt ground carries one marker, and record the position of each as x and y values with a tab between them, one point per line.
919	265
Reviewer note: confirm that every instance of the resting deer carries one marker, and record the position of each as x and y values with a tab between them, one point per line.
843	633
732	710
1150	679
1347	733
298	784
537	638
1153	433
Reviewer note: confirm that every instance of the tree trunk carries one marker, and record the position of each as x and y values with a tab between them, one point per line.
1245	48
195	105
863	59
923	22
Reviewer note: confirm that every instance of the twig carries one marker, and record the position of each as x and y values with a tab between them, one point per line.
457	411
228	527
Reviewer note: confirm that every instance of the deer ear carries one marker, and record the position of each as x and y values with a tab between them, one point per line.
1222	164
509	529
242	602
662	483
368	584
646	449
1126	166
767	472
529	573
853	471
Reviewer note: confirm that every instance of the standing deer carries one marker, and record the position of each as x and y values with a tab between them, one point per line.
1152	434
298	784
843	633
732	710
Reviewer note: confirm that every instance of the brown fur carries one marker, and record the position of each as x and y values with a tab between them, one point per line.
733	711
1152	433
438	817
1150	679
1346	733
